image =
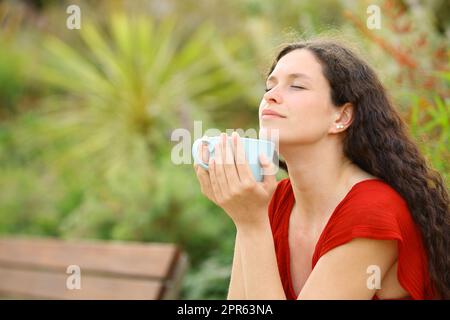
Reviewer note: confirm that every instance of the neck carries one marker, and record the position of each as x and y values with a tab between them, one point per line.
320	176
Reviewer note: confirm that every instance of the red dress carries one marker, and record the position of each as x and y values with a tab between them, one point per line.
371	209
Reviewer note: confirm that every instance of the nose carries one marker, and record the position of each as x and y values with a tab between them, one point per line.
272	96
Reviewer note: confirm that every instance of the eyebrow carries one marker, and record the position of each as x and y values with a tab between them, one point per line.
290	76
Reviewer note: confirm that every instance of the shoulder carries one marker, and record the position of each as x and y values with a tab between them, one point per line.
372	209
375	190
377	197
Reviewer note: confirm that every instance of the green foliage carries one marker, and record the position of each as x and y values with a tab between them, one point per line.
100	139
12	83
210	280
429	124
86	115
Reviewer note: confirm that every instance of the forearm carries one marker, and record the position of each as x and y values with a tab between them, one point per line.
259	263
236	290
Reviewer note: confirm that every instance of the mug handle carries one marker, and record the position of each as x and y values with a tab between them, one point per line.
195	149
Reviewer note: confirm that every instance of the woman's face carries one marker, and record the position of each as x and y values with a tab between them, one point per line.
300	93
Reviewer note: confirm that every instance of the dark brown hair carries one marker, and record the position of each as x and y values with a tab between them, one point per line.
378	142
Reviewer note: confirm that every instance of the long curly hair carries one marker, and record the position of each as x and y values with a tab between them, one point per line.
378	142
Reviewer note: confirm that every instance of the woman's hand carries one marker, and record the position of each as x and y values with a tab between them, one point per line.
230	184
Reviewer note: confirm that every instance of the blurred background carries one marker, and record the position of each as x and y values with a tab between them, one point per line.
86	115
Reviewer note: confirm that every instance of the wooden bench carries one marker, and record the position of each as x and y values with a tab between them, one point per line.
39	268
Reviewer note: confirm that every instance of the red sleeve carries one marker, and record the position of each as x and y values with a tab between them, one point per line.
366	220
380	213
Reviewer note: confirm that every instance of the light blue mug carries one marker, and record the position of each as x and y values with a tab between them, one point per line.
253	148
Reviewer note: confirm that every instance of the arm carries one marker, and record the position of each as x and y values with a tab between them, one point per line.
259	263
231	183
236	290
341	273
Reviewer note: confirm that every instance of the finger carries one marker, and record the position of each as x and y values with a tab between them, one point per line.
213	178
219	166
269	169
244	171
205	182
202	175
205	152
229	165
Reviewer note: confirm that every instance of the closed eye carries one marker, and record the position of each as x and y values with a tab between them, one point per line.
296	87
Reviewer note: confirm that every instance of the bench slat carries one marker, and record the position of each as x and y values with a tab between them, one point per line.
45	285
126	258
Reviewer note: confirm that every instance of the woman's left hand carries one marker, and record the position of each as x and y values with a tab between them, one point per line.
235	189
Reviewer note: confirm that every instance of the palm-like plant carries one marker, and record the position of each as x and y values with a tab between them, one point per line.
114	100
135	84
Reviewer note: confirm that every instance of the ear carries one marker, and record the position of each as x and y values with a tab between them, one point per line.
343	118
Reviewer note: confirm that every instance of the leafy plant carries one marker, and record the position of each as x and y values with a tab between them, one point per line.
106	122
429	125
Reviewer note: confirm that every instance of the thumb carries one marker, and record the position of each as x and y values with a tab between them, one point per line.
269	169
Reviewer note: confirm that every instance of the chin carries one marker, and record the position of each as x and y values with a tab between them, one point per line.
270	133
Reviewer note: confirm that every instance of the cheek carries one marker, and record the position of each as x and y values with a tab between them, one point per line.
309	110
314	106
309	120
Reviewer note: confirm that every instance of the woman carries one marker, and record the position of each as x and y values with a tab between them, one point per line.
361	215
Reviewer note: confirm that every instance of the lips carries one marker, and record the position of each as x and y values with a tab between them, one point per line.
267	112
